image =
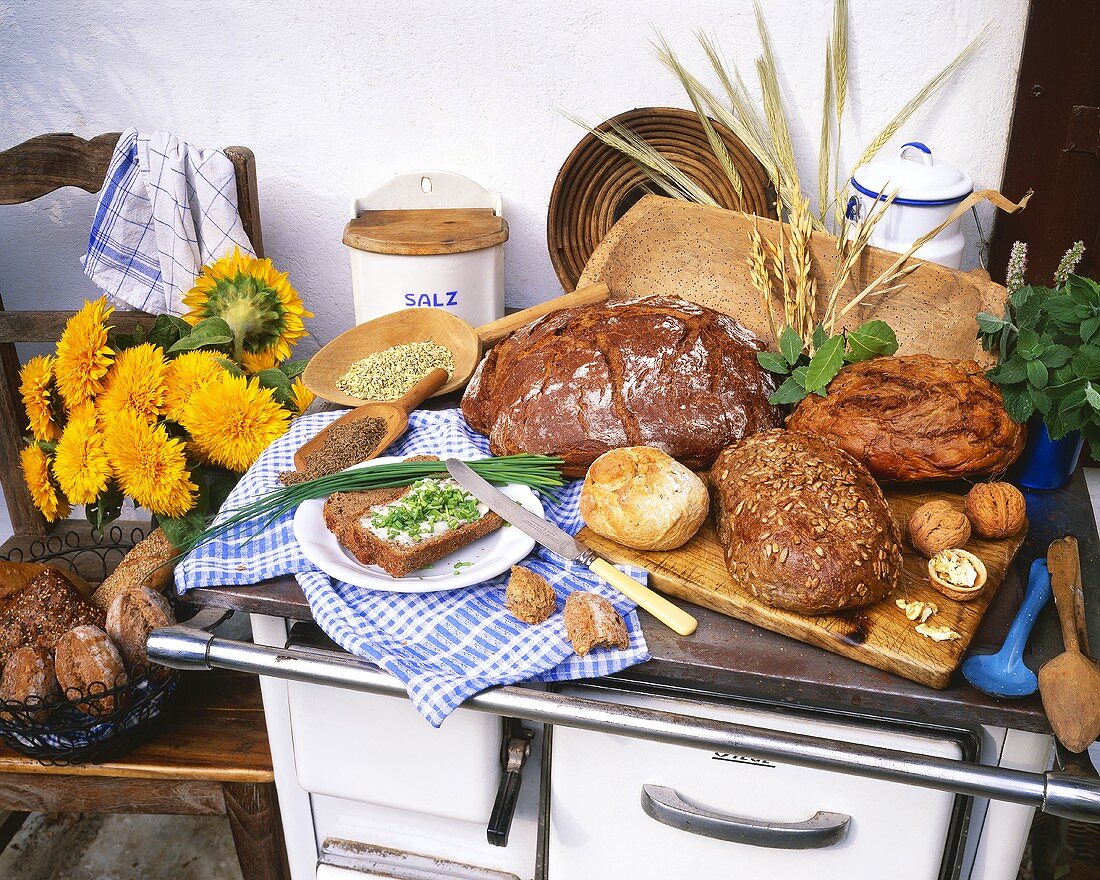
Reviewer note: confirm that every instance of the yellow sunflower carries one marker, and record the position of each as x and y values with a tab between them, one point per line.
150	466
36	471
234	420
254	363
257	301
80	463
301	397
135	383
82	353
186	376
34	387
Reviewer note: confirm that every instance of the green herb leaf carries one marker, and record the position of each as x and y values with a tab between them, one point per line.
208	333
772	362
1062	308
1042	399
1029	346
1089	327
1056	355
1086	363
790	391
825	364
988	323
820	336
1092	396
1018	402
790	344
1037	374
1010	372
871	340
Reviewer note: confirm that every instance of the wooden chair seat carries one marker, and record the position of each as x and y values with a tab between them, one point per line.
209	753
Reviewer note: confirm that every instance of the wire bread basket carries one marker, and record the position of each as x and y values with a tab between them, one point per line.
105	719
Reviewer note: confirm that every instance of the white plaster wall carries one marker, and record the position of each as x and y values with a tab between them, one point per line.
336	95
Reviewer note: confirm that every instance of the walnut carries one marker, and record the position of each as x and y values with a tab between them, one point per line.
957	574
937	526
996	510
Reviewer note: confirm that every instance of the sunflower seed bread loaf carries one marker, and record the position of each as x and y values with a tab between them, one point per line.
651	371
915	417
803	526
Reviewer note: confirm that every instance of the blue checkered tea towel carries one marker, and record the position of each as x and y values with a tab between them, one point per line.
444	646
165	209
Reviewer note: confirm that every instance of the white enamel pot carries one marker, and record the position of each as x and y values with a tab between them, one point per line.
928	189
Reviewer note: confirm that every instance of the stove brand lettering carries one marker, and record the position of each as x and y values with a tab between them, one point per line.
740	759
432	300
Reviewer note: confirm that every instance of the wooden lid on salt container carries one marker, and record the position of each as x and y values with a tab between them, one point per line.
426	231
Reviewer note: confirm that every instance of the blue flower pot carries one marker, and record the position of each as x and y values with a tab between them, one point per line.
1046	463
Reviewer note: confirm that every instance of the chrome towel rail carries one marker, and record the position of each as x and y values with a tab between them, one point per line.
1061	794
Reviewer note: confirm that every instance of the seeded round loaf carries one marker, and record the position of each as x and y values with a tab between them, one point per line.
804	527
654	371
86	661
916	417
130	618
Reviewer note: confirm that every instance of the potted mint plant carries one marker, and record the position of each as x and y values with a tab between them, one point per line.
1048	366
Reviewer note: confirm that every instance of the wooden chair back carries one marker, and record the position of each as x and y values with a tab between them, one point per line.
29	171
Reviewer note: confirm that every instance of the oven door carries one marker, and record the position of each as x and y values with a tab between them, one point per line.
651	810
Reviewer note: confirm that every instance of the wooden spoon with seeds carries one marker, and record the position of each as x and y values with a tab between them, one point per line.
1070	683
394	414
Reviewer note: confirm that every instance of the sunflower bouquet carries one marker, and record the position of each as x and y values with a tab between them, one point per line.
170	417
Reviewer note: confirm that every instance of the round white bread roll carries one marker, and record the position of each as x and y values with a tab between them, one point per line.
643	498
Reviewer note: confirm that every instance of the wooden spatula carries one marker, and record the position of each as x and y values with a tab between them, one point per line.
1070	683
395	415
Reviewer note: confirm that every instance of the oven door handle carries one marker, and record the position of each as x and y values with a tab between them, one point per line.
666	805
1071	796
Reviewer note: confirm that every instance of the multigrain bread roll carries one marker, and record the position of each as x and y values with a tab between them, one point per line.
29	678
39	614
803	526
87	662
592	622
916	417
654	371
145	565
643	498
131	617
530	599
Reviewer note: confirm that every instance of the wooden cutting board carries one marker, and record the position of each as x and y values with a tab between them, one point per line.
879	635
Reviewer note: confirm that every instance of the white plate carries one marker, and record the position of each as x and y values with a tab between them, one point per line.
495	553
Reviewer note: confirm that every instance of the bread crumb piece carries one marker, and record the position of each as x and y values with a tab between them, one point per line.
592	622
529	598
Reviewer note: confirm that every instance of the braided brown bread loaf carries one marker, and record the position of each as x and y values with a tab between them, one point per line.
654	371
915	417
803	526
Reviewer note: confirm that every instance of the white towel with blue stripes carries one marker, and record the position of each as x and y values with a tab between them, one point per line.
443	646
166	209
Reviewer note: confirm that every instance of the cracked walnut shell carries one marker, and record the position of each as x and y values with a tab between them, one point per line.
937	526
996	510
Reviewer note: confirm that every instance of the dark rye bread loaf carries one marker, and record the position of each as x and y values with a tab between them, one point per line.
803	526
915	417
343	512
654	371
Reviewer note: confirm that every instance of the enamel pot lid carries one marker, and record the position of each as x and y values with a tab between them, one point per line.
920	178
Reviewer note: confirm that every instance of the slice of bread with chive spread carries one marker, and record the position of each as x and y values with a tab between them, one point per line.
396	544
